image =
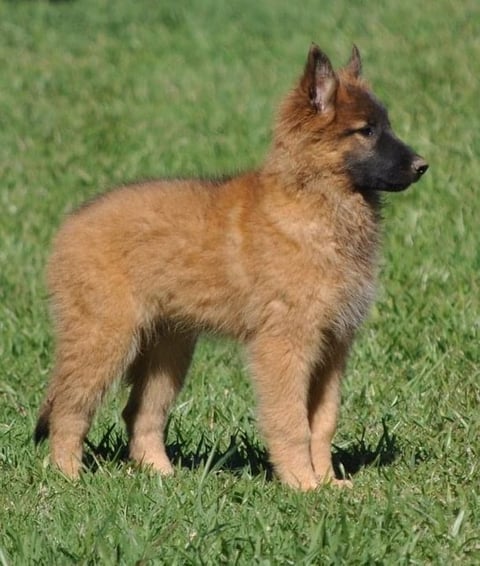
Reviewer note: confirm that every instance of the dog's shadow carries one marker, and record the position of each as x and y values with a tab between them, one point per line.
246	454
360	454
243	454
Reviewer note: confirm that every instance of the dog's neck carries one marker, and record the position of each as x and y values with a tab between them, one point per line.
317	187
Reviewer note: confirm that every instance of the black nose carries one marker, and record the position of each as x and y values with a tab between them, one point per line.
419	165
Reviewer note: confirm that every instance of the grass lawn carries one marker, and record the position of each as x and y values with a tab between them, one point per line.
94	93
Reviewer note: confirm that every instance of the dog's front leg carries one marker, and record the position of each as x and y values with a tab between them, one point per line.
281	373
323	404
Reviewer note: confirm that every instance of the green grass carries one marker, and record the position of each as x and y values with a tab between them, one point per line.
94	93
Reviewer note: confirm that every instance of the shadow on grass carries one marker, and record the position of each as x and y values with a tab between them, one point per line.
244	454
360	454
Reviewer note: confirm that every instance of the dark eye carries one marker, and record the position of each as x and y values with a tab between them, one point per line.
366	131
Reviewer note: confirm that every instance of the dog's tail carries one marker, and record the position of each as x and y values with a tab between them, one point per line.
42	429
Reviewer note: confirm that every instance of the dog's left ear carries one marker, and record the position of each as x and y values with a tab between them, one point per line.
319	80
354	66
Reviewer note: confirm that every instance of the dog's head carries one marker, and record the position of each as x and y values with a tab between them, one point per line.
332	123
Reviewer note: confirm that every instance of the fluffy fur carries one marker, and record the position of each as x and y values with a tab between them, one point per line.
282	258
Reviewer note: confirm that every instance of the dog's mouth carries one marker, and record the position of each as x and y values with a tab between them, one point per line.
418	170
390	187
386	186
390	171
396	183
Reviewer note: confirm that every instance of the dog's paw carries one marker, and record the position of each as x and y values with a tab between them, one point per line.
341	483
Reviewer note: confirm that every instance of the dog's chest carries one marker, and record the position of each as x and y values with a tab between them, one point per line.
352	302
347	275
356	283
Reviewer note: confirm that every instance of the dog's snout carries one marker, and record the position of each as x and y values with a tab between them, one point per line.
419	165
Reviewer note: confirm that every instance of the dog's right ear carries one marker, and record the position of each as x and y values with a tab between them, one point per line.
319	80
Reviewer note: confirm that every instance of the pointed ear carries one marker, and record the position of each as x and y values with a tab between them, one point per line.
319	80
354	66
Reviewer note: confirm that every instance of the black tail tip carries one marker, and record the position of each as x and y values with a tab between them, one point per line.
41	430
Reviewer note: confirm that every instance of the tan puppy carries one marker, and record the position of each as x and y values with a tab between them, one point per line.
282	259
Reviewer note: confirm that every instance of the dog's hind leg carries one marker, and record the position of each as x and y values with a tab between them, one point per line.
157	376
89	358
